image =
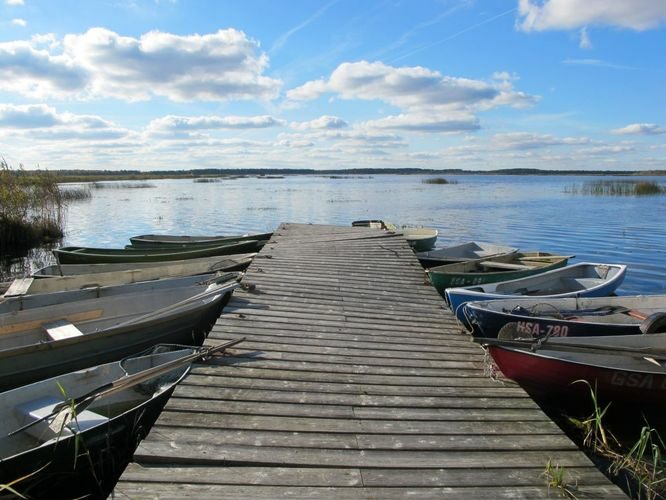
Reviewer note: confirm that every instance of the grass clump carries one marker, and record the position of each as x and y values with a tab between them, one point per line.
204	180
75	193
121	185
438	180
643	463
558	478
616	188
31	210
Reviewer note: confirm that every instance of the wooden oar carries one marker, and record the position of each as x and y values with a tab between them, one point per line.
545	257
82	402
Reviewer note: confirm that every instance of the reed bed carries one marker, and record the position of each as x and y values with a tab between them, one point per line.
32	209
70	194
616	188
204	180
121	185
438	180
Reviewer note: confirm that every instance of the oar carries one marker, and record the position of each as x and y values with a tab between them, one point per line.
82	402
535	344
545	257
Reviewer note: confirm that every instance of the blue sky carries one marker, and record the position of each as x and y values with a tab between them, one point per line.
480	85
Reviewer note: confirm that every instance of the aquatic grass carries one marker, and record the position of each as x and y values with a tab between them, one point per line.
438	180
121	185
204	180
616	188
644	462
32	209
557	477
70	194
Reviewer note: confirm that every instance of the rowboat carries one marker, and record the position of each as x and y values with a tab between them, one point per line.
567	317
419	238
44	335
165	240
494	269
96	277
85	255
622	368
371	223
472	250
166	269
580	280
73	435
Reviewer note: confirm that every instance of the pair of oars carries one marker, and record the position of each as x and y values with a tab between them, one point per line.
80	403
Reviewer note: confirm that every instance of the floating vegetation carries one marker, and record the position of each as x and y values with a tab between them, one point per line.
183	198
262	209
204	180
343	201
438	180
262	176
75	193
616	188
31	210
121	185
347	176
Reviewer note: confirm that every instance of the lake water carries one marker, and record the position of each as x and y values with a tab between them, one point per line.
529	212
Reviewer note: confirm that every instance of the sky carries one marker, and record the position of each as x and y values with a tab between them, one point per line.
337	84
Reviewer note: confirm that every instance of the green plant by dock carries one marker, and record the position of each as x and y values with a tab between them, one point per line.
616	188
644	463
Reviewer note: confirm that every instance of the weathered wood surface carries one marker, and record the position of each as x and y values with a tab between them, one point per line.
353	382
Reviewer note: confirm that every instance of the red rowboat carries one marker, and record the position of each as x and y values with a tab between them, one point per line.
624	368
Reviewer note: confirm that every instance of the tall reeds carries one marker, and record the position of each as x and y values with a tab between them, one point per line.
616	188
438	180
31	209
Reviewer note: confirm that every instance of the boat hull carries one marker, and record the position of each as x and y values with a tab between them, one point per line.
186	323
441	278
545	376
89	464
557	283
82	255
157	241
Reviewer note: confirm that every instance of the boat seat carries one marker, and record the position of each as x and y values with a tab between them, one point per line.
576	284
505	265
41	407
61	329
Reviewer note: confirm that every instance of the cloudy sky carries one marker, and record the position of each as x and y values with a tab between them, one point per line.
472	84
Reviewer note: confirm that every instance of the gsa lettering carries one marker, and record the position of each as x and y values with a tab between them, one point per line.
634	380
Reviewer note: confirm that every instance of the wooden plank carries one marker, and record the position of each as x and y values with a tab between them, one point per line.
202	454
180	490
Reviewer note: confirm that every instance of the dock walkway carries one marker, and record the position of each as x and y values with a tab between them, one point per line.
353	382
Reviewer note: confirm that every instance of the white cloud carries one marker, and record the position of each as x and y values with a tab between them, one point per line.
324	122
19	22
14	3
527	140
33	71
595	62
100	63
571	14
190	123
640	129
425	123
430	101
40	121
585	42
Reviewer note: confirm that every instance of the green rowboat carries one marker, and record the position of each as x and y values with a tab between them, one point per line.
494	269
83	255
158	241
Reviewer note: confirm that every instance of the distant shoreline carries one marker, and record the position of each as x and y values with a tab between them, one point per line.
109	175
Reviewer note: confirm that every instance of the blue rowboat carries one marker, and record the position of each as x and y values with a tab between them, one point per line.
580	280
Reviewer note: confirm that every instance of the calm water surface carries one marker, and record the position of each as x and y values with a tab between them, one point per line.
531	212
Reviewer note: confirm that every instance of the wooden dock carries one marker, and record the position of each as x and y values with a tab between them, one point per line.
354	382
